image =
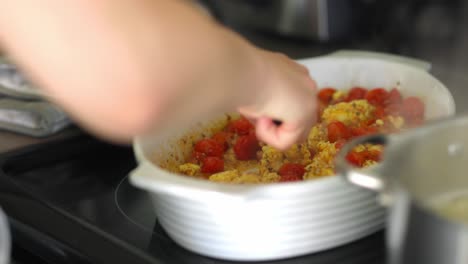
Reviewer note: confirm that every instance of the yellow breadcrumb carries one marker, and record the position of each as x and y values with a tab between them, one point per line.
349	113
225	176
270	177
306	157
272	159
338	95
189	169
368	147
247	178
323	162
397	121
317	134
374	147
369	163
230	157
233	176
293	153
360	148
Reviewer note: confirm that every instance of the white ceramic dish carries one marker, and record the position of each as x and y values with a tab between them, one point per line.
265	222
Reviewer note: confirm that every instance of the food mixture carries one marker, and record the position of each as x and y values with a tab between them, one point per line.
235	155
453	206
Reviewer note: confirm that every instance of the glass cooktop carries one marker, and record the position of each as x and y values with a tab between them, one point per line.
70	201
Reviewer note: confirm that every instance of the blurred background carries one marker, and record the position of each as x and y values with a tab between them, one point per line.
432	30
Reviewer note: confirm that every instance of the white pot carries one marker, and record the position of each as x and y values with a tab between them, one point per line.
272	221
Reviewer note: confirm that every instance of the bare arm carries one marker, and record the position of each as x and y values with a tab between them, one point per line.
125	67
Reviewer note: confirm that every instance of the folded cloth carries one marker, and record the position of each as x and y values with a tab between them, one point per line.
34	118
14	84
22	107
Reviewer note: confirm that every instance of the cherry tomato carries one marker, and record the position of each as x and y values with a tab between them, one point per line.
325	95
212	165
355	158
413	109
295	169
356	93
289	178
379	112
246	147
223	138
209	147
394	97
377	96
362	131
337	130
197	157
393	109
241	126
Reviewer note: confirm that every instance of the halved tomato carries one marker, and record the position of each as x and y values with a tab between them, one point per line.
377	96
337	130
209	147
325	95
246	147
292	169
212	165
356	93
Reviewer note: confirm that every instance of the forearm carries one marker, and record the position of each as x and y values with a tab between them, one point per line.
128	67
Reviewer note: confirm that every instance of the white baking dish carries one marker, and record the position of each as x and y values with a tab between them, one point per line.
265	222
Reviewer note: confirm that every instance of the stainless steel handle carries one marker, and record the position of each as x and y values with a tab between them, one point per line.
367	177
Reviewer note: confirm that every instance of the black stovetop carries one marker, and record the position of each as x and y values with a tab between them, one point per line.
69	201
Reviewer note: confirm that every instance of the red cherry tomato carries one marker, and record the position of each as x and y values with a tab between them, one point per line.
379	112
223	138
393	109
356	93
209	147
241	126
289	178
246	147
325	95
413	109
212	165
295	169
362	131
337	130
377	96
394	97
355	158
197	157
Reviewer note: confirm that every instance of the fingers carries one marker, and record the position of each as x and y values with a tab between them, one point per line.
289	95
281	137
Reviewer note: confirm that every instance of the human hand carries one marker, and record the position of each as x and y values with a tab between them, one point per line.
289	96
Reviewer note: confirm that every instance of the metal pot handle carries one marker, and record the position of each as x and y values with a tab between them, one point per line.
368	177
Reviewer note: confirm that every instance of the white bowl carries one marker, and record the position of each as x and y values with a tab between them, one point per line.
272	221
